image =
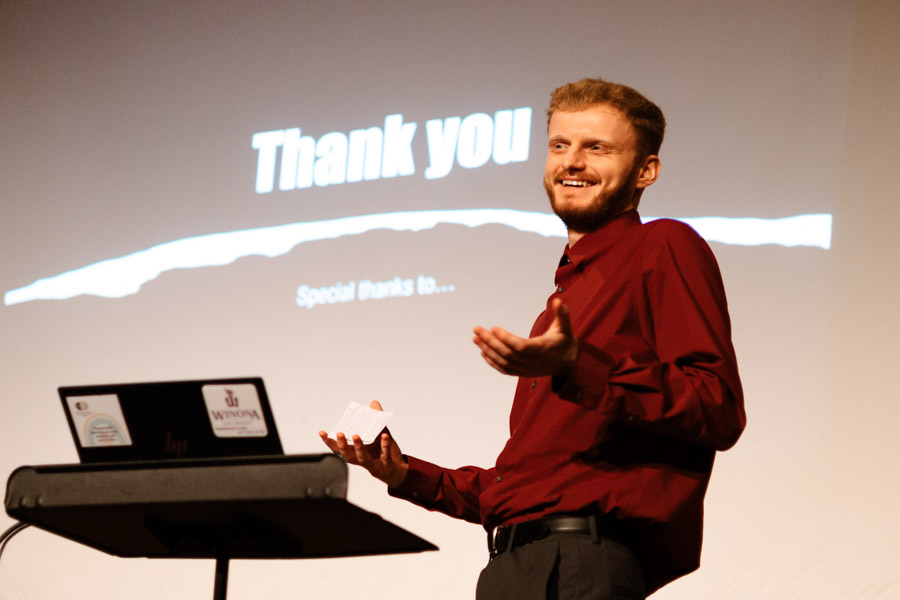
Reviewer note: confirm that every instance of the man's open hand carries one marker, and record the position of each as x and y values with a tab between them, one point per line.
550	353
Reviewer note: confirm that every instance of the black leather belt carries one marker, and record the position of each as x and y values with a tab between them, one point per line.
507	537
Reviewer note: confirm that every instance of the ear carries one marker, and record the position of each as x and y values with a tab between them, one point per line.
648	172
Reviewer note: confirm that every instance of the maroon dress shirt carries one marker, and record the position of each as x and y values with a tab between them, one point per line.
631	431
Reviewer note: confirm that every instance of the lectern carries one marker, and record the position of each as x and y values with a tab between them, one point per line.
217	508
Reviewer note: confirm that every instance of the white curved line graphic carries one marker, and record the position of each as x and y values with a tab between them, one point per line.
123	276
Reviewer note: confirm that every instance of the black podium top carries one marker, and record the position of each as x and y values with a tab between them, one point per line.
262	507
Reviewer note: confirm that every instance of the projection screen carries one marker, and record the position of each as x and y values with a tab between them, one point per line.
331	195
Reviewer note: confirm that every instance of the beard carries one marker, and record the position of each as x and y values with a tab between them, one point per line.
585	219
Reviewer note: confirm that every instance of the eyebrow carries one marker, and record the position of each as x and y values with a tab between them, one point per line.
591	142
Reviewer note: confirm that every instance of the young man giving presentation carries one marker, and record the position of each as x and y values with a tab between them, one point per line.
627	384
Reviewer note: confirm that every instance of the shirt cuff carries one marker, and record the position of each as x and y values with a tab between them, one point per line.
421	482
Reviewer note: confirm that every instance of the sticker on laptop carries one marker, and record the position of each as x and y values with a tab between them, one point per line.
99	421
234	410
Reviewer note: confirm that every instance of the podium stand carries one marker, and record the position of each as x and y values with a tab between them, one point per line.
224	508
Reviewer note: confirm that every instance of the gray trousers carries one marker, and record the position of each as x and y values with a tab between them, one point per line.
563	566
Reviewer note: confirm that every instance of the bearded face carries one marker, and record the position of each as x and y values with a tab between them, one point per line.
593	172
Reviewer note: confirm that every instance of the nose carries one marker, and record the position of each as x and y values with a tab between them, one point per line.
573	160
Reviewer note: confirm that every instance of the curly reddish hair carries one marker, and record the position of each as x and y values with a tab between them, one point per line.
645	116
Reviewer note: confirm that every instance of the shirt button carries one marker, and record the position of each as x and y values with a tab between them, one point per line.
499	479
559	290
533	383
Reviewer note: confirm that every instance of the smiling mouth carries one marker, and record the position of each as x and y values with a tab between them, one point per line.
576	183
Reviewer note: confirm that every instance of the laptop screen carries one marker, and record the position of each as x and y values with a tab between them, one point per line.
171	420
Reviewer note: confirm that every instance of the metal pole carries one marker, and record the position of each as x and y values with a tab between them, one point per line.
221	586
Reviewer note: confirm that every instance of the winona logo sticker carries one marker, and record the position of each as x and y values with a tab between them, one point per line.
231	400
234	411
378	153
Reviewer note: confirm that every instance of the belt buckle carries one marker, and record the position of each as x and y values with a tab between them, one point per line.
496	545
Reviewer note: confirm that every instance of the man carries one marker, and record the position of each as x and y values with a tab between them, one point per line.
628	383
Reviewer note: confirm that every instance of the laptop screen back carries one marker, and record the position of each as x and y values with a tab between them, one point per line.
171	420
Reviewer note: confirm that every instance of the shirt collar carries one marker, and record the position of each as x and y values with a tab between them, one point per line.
593	245
601	239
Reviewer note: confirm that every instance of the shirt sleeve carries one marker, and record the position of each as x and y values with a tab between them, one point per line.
454	492
676	374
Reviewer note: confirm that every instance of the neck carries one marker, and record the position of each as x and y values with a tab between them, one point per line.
574	236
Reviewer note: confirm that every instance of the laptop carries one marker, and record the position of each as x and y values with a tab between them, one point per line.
170	420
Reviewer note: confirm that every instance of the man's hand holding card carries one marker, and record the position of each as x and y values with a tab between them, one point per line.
370	444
